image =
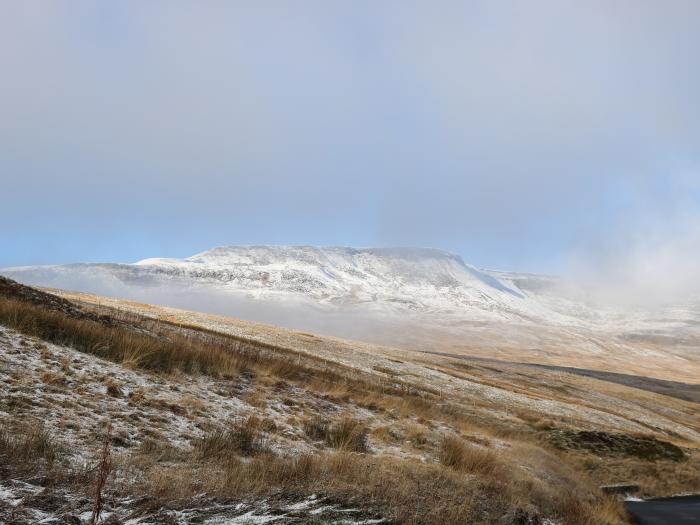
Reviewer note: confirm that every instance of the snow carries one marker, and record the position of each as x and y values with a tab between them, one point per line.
393	282
402	278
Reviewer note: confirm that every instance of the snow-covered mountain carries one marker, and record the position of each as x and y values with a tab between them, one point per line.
386	295
414	279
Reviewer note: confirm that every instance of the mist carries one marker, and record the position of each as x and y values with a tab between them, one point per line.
649	258
359	321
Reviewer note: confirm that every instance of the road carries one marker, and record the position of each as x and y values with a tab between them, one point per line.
665	511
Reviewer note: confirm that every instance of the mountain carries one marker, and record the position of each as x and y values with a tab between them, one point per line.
418	298
414	279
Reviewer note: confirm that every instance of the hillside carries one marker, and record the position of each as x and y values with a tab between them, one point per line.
215	420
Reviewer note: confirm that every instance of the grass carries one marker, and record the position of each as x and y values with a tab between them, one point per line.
345	434
118	344
456	454
162	348
407	491
234	465
348	435
28	445
316	427
242	438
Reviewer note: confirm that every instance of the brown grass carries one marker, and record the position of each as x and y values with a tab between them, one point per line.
345	434
27	444
316	427
407	491
113	388
163	347
417	436
242	438
53	378
116	343
348	435
456	454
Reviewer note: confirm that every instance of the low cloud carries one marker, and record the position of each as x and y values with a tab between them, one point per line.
649	261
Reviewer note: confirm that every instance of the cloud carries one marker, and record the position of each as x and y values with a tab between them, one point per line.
648	259
163	128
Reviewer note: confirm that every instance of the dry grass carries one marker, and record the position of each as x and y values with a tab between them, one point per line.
386	434
656	478
345	434
116	343
407	491
242	438
163	347
27	445
113	388
417	436
53	378
456	454
348	435
316	427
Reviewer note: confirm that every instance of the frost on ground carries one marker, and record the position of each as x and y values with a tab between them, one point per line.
76	396
312	510
22	502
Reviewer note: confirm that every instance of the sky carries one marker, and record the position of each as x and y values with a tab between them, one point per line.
535	136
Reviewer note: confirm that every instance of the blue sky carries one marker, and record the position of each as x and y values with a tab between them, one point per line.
521	135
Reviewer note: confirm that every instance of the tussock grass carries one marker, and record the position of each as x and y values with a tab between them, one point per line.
344	434
53	378
456	454
166	348
242	438
458	483
347	435
406	491
28	445
316	427
417	436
